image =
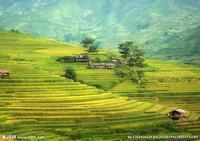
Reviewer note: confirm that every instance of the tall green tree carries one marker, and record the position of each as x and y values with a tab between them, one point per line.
140	74
124	50
90	44
136	61
134	58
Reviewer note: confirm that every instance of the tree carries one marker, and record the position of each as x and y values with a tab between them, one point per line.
90	44
70	73
140	74
136	61
136	58
15	31
124	50
97	60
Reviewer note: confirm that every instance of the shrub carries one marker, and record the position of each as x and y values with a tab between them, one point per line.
120	73
70	73
98	86
3	118
66	59
6	128
97	60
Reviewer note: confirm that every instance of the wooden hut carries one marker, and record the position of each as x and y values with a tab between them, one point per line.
101	65
114	60
177	114
4	74
81	58
109	65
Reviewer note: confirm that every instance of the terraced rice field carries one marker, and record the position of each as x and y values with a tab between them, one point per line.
36	101
60	109
134	91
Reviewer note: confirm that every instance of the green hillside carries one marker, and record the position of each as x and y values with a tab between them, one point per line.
38	102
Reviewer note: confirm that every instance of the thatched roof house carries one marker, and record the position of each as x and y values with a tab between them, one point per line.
177	114
113	60
4	73
81	58
102	65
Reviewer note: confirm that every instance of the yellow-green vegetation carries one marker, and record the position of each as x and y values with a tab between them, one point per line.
38	101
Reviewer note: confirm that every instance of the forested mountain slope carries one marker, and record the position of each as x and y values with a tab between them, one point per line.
152	23
186	49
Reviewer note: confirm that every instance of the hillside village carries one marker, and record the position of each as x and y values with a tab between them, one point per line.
86	58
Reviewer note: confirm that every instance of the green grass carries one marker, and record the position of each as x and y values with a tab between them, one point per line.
38	101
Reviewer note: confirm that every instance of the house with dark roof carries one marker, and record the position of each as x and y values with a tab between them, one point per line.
102	65
114	60
4	74
177	114
81	58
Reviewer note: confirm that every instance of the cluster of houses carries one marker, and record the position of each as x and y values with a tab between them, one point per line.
4	74
86	58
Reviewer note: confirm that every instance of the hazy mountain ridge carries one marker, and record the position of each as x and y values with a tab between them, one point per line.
152	23
186	49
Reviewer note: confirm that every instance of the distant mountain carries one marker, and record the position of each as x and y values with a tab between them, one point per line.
186	49
153	24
